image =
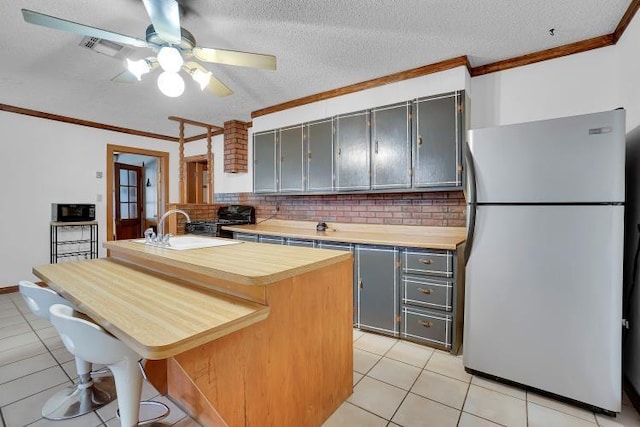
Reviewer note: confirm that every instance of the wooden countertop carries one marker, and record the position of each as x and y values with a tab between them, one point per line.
376	234
155	316
246	263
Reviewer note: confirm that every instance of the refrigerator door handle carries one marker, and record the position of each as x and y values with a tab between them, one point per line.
470	195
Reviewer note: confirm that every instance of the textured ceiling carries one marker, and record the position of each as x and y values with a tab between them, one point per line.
320	45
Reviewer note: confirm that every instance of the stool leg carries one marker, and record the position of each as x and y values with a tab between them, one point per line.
81	398
129	387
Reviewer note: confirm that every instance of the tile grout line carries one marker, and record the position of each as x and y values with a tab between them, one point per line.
410	388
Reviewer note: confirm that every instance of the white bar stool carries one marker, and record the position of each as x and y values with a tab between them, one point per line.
90	342
89	393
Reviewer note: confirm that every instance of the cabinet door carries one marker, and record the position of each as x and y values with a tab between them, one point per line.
391	148
264	162
377	288
291	159
319	139
352	152
437	142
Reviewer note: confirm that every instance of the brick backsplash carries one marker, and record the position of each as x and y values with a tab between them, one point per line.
433	208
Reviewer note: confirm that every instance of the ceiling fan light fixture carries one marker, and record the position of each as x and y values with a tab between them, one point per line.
138	68
170	59
201	78
171	84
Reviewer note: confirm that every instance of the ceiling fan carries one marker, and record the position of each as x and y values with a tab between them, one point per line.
175	49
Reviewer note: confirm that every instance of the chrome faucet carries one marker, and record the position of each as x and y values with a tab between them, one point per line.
161	238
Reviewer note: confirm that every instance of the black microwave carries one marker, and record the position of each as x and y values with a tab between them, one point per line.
67	212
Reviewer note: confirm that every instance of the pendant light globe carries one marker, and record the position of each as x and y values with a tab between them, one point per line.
170	59
171	84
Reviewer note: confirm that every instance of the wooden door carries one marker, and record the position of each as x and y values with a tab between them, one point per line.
129	201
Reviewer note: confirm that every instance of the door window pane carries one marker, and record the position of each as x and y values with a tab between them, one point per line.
132	178
124	194
123	177
124	210
133	194
133	210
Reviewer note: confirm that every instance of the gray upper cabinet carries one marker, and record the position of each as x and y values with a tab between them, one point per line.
352	157
391	147
319	144
291	159
264	162
437	141
415	145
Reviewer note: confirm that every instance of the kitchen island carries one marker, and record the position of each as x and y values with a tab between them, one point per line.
244	334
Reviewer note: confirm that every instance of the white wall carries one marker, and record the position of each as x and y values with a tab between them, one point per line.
44	162
575	84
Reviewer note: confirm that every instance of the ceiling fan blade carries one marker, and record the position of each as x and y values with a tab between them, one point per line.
235	57
215	85
165	17
62	24
218	88
125	77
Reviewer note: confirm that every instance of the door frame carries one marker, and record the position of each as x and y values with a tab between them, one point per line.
199	158
163	179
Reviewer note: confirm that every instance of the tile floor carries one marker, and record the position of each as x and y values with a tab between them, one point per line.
396	383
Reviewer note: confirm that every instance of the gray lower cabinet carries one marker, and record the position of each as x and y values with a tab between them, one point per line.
352	157
291	159
377	288
274	240
416	294
265	162
431	301
391	147
437	140
301	242
245	237
319	144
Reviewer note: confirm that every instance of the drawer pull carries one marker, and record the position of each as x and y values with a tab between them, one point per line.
425	291
425	323
425	261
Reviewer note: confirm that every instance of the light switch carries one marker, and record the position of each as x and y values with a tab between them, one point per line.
98	174
98	197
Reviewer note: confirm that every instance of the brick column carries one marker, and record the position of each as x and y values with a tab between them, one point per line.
235	146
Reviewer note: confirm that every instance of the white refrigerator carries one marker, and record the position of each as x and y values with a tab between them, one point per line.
543	297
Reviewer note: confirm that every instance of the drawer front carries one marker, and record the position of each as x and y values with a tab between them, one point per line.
337	246
274	240
245	237
429	326
300	242
426	292
428	262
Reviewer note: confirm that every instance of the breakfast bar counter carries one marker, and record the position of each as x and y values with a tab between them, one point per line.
245	334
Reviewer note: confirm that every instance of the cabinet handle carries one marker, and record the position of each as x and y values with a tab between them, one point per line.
425	261
339	151
376	146
419	141
425	323
360	284
425	291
